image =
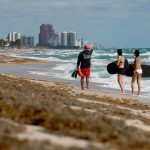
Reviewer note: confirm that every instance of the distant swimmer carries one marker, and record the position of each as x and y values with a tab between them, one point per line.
84	64
121	70
137	72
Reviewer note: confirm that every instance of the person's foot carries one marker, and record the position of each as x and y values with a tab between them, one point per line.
122	93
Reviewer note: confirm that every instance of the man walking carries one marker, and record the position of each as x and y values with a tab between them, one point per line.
84	62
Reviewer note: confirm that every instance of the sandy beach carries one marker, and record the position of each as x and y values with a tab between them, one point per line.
52	114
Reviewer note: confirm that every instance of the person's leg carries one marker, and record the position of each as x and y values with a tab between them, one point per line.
119	82
87	74
118	78
133	82
122	84
139	83
82	83
87	82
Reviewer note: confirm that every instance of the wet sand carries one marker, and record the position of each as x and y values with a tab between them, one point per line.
24	70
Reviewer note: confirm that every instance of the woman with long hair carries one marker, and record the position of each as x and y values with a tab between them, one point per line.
137	72
121	72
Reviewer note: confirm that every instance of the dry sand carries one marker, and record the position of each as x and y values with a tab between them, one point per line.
85	107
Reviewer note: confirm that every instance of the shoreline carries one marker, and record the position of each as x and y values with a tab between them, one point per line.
75	87
15	66
39	71
10	60
23	70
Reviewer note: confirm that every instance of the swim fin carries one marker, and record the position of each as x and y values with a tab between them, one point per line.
74	74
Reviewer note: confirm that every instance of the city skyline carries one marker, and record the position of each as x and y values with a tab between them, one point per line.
51	38
120	23
48	38
76	41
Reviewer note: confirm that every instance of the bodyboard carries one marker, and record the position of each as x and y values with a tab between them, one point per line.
112	68
145	68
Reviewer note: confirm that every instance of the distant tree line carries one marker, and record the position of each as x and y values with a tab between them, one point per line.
17	43
3	42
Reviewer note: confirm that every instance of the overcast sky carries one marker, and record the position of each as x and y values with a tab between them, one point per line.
119	23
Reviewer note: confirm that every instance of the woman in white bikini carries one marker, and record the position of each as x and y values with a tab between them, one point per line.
121	71
137	72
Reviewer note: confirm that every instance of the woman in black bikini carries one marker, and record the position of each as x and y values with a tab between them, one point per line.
121	71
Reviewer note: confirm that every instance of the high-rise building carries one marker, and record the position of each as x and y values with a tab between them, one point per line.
17	36
47	37
27	41
71	39
13	36
64	39
57	39
46	34
80	42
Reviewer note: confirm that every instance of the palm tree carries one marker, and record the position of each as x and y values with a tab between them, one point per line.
17	43
3	42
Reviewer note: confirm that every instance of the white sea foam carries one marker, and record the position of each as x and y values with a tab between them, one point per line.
98	62
39	73
145	54
64	67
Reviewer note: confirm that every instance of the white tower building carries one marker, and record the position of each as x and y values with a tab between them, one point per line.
64	39
13	36
72	39
57	39
17	36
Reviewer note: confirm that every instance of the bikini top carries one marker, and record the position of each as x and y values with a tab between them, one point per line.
136	59
122	61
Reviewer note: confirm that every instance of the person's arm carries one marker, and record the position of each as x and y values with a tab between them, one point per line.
133	64
91	51
79	60
137	62
118	60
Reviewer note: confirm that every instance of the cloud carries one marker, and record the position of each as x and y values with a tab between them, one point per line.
103	9
90	18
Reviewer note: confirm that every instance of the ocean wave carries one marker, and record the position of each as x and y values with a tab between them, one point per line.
38	73
66	62
64	67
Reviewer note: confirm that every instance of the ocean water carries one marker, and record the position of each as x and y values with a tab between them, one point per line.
66	63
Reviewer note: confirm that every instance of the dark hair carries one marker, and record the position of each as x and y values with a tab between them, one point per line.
137	53
119	51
